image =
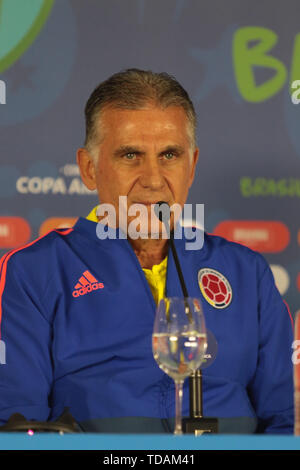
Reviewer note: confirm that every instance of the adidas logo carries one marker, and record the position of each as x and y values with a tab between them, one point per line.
86	283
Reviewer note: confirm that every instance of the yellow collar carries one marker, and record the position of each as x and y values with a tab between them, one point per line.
93	215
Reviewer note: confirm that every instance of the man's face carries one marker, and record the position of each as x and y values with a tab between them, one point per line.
144	154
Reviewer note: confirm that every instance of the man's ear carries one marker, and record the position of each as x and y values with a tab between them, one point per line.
193	165
87	168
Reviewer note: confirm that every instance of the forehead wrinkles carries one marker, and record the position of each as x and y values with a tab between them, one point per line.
101	127
163	122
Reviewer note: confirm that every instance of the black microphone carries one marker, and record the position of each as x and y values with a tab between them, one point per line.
162	211
196	424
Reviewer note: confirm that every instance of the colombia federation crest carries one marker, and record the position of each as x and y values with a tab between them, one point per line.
214	287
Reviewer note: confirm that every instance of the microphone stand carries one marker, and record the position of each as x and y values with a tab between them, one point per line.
196	423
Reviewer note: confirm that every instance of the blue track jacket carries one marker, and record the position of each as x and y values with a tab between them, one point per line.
77	317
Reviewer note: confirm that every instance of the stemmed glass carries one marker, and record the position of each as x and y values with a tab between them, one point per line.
179	343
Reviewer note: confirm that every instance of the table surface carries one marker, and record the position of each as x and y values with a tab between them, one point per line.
45	441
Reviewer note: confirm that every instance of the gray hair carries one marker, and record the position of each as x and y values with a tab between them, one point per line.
133	89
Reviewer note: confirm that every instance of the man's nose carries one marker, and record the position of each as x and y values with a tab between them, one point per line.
151	175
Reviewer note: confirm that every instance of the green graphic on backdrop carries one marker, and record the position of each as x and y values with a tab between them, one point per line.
247	56
269	187
295	68
20	23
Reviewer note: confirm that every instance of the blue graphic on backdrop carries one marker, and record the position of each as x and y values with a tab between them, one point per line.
217	63
37	79
20	24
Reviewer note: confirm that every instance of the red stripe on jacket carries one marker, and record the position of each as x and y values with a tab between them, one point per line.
7	256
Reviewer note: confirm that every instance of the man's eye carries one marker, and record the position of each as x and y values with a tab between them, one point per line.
169	155
130	156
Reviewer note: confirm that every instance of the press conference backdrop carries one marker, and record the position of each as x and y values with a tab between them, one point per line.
237	59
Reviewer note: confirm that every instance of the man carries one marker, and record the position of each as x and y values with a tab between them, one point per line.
78	310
